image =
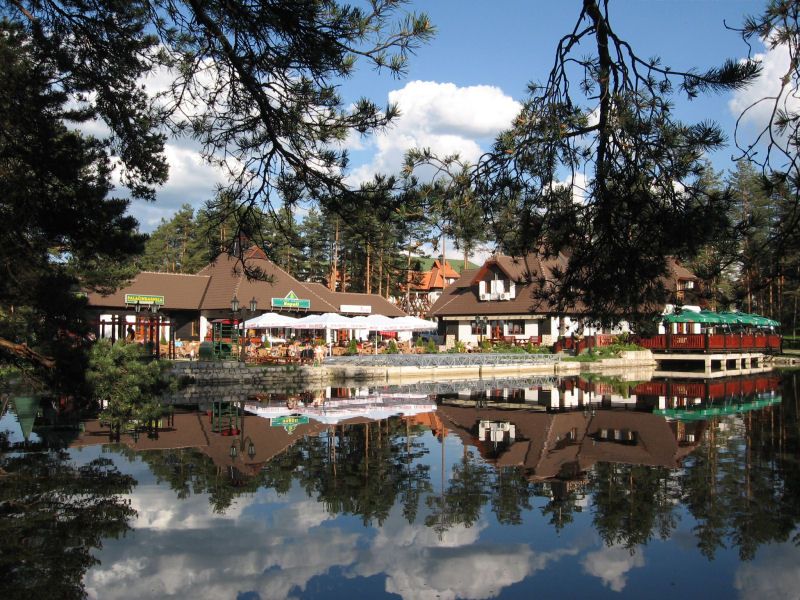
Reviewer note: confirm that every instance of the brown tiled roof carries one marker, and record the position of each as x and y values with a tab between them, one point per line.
228	278
193	430
456	300
179	291
379	304
678	271
461	299
466	278
544	448
216	284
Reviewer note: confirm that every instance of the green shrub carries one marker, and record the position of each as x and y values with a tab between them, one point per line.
352	347
503	348
392	348
126	383
532	349
431	347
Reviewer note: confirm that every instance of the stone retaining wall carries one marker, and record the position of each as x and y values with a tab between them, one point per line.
203	381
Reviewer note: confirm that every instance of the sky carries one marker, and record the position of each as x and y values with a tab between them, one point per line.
465	85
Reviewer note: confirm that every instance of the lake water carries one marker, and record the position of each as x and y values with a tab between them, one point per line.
562	488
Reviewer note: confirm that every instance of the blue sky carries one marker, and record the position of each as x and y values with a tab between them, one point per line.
462	88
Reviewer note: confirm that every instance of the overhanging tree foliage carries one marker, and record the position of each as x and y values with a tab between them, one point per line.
596	165
59	228
257	84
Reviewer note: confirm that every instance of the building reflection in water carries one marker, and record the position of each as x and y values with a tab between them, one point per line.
553	433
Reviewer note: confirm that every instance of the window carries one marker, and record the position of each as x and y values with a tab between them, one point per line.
496	327
516	327
478	328
619	436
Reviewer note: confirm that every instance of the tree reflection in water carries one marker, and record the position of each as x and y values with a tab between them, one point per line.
739	479
734	479
53	514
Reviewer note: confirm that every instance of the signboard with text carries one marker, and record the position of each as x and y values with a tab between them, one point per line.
144	299
289	423
291	301
354	308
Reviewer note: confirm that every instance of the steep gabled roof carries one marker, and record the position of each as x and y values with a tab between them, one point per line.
435	278
527	273
523	269
457	264
678	271
228	278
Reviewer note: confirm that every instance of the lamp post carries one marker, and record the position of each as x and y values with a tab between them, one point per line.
155	336
480	323
235	309
241	446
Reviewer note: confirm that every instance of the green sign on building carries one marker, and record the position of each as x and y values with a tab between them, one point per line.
289	423
291	301
144	299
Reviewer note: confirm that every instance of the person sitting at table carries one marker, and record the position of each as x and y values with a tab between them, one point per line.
319	354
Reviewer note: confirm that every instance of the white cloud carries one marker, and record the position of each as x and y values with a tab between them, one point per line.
775	63
441	116
774	574
420	566
173	554
611	564
276	545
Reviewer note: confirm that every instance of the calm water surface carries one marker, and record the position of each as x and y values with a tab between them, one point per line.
549	489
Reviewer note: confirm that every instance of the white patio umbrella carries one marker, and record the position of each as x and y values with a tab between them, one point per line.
375	323
414	324
327	321
270	320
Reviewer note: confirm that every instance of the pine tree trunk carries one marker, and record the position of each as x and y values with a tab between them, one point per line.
368	275
380	275
408	282
334	260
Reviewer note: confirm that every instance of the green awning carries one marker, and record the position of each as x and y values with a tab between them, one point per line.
708	412
689	316
742	318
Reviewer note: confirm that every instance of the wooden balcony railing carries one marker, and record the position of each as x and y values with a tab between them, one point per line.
680	342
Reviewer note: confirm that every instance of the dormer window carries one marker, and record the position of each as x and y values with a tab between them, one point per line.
496	289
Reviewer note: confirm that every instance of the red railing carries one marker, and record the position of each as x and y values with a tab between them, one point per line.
688	342
711	390
602	340
730	342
